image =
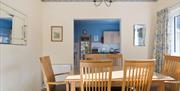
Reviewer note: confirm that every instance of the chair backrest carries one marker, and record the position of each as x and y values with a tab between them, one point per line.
95	75
117	59
94	56
171	67
137	75
47	70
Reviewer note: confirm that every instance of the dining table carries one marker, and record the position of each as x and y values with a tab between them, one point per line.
73	80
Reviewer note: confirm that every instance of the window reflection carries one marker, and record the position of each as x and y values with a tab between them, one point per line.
139	35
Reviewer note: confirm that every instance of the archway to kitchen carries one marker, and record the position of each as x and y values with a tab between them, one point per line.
96	36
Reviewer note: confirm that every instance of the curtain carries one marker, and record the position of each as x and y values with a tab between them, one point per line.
162	38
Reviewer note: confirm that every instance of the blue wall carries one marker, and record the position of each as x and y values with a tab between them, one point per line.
95	27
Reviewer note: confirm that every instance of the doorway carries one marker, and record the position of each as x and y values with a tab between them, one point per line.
96	36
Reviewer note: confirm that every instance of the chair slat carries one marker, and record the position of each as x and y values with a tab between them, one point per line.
137	75
95	75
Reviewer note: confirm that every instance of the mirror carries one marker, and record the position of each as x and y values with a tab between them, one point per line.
139	35
12	26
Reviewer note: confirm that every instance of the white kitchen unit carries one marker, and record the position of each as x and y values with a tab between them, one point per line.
111	37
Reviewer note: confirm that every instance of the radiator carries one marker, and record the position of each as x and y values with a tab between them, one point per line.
61	68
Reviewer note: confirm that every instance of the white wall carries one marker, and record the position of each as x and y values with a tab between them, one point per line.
166	3
19	64
19	68
64	13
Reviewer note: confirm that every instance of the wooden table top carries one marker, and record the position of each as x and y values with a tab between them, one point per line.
117	75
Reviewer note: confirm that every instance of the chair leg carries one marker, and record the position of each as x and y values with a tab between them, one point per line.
48	87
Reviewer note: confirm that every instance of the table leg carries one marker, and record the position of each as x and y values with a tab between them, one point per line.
67	86
73	86
161	86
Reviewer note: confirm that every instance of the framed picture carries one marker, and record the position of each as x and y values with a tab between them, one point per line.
139	34
56	33
96	38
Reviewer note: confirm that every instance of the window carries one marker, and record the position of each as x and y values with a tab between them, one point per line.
175	31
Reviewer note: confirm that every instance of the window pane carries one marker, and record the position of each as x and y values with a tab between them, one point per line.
177	34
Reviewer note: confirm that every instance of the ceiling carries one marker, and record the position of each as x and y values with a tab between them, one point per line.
97	0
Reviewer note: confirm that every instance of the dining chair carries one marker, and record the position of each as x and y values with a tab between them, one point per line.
49	76
171	67
117	59
95	75
137	75
94	56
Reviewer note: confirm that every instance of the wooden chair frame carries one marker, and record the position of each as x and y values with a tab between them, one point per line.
117	59
95	75
48	74
137	75
171	67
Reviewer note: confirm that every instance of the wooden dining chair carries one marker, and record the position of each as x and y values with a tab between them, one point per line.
171	67
95	75
117	59
49	76
137	75
94	56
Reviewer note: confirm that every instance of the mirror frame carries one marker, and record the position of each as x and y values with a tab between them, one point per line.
141	28
18	29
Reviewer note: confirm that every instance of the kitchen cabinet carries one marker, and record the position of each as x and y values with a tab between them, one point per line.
111	37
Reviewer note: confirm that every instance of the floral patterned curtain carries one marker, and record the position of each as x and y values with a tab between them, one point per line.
162	38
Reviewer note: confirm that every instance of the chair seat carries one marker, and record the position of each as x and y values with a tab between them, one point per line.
56	83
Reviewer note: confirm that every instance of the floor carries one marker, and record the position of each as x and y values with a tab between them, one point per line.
63	88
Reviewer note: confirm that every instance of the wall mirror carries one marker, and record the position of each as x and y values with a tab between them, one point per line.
12	25
139	34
